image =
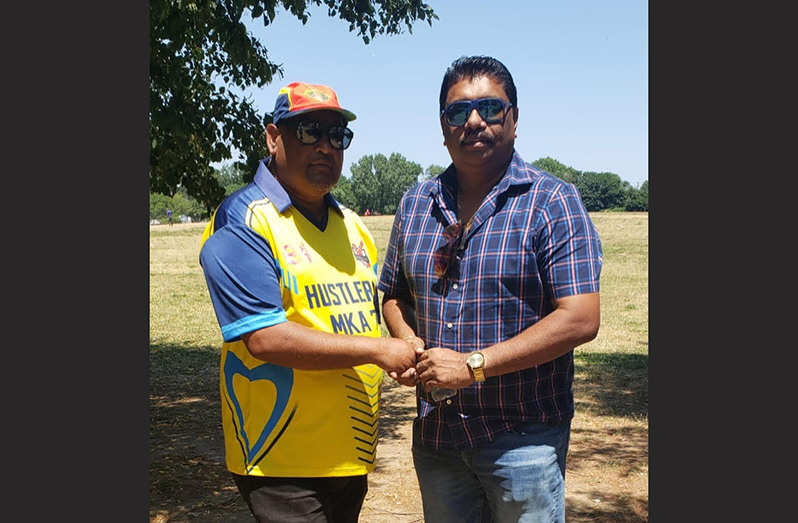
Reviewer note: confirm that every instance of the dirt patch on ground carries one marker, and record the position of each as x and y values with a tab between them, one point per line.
606	478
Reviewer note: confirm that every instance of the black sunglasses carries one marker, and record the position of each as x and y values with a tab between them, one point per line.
309	132
491	110
444	258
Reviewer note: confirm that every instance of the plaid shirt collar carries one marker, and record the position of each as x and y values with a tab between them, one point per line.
444	190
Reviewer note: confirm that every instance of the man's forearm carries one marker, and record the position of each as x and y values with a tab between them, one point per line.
399	318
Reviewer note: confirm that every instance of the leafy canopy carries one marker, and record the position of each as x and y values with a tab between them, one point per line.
195	45
378	183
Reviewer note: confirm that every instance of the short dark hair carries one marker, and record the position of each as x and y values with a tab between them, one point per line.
470	67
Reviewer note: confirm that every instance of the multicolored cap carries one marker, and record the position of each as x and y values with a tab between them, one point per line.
298	98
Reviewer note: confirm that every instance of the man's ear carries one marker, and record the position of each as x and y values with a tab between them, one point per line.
272	133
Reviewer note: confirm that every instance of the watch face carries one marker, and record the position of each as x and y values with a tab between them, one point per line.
476	360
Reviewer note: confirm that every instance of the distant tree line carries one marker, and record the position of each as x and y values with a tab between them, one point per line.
378	182
229	177
599	191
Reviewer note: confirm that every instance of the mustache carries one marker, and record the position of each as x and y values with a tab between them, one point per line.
472	135
321	159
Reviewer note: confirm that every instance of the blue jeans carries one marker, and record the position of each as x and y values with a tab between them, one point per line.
519	477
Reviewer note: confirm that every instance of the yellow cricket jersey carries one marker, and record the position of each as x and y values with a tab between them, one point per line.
265	263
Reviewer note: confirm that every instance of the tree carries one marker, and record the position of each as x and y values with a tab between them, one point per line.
636	199
180	204
561	171
378	183
231	178
197	44
158	205
600	191
432	171
343	193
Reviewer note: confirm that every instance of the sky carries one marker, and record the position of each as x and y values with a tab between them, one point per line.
580	69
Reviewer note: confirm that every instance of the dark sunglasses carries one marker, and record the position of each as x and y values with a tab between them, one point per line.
444	258
491	110
309	132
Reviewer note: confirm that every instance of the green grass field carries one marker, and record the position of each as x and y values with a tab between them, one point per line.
181	313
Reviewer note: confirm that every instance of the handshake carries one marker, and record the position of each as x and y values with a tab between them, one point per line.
439	370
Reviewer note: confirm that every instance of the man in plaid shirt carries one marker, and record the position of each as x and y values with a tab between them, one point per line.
492	268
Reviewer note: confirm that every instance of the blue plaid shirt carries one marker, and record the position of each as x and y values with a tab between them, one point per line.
530	241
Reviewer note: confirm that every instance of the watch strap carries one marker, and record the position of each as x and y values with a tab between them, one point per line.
479	374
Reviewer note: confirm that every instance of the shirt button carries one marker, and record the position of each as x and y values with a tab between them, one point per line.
449	325
448	402
454	286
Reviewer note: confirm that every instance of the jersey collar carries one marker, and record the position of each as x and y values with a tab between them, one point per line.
277	194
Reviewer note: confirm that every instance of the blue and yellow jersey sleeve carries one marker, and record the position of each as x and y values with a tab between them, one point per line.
243	280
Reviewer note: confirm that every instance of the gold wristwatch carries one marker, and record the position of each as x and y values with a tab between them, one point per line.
475	361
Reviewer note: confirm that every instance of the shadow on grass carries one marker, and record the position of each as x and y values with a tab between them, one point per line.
605	451
611	384
617	509
188	477
397	409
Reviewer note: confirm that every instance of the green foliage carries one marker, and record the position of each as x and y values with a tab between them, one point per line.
201	54
185	204
552	166
231	177
180	204
343	193
636	199
600	190
158	205
378	183
432	171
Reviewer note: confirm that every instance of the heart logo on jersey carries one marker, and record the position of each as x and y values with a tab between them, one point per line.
283	380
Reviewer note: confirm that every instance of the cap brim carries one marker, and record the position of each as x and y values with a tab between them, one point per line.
346	114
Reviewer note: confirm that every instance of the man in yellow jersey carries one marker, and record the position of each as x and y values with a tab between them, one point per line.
292	276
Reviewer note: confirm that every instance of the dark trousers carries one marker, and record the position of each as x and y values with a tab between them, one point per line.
303	500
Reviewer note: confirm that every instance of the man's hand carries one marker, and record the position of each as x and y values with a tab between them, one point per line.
409	378
440	367
398	358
